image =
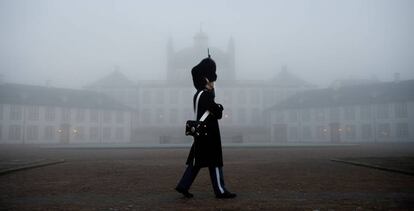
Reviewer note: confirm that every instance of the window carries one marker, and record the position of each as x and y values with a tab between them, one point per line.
306	132
66	114
228	115
173	96
280	116
293	115
254	96
107	116
293	133
321	133
50	114
32	132
227	97
187	95
134	117
267	97
188	113
146	116
334	114
146	97
241	114
350	132
1	111
16	112
33	113
131	97
402	130
15	132
93	133
159	97
119	117
106	133
382	111
401	110
255	116
173	115
93	115
80	115
119	134
49	133
365	112
306	115
160	116
79	133
366	132
241	97
277	96
384	130
349	113
319	115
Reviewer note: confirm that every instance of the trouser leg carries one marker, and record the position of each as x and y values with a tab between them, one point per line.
188	178
217	180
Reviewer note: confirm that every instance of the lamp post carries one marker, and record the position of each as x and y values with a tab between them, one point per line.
374	114
300	116
24	125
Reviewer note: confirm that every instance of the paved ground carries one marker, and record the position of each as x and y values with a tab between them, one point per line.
271	178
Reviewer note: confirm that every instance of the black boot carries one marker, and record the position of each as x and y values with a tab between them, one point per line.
184	192
226	195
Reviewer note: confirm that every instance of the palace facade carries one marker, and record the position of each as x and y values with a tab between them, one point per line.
35	114
375	112
164	106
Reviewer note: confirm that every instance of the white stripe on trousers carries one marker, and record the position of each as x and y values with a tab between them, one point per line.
218	180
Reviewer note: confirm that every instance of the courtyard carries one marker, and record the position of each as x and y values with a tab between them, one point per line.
368	177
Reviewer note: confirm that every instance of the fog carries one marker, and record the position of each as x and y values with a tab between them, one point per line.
73	43
289	117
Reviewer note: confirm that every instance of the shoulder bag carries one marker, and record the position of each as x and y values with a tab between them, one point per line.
196	127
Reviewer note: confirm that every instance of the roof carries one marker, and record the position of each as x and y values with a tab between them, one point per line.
188	57
49	96
286	78
353	82
116	79
384	92
221	84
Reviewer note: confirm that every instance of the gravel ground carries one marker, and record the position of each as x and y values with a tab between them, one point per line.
272	178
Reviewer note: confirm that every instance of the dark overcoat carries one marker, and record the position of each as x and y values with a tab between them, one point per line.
206	150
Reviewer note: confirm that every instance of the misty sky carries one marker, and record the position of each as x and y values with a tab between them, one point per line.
72	43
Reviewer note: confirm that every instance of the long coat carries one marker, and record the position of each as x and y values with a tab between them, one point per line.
206	150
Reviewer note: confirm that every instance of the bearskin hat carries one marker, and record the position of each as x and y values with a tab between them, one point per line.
205	69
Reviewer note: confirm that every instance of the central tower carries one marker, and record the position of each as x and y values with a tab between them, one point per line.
179	63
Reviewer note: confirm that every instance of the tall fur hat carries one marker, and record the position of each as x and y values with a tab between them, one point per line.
205	69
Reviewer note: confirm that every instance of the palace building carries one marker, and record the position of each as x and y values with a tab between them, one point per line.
35	114
373	112
164	106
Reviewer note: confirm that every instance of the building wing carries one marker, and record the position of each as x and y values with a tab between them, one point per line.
48	96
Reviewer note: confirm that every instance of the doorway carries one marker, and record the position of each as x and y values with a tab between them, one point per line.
335	131
280	133
64	133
